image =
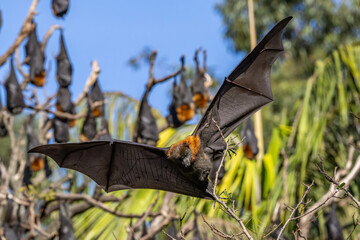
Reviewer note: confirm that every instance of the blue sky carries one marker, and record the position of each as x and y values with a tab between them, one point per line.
112	31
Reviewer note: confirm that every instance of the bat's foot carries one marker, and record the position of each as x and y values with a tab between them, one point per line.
203	175
232	149
187	159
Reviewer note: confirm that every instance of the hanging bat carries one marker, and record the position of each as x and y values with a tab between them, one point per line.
250	147
36	161
11	222
184	167
35	58
104	134
3	130
88	131
64	68
66	231
182	107
146	130
198	88
14	97
61	130
60	7
334	228
97	95
63	100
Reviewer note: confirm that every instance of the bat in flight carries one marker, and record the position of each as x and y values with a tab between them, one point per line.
185	166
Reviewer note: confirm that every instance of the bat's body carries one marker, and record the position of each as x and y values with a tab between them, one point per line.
185	166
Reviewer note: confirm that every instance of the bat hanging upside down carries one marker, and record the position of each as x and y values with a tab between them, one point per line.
186	166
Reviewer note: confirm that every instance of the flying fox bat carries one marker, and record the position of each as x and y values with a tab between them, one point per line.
60	7
61	130
36	160
250	146
63	100
97	95
14	97
64	68
35	59
146	128
185	166
88	131
66	230
182	107
3	130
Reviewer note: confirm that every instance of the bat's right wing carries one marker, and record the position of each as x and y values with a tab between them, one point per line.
244	91
116	165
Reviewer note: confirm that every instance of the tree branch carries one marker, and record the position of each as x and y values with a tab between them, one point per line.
27	27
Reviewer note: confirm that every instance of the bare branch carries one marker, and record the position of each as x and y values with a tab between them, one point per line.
48	35
90	81
231	212
332	194
27	27
295	209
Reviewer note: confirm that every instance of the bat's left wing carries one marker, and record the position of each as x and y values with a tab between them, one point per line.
116	165
244	91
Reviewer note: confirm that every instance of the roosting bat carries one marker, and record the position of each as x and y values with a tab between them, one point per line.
88	131
64	68
66	231
14	97
146	130
35	59
63	100
250	146
97	95
60	7
182	107
61	130
334	228
185	166
3	130
104	133
36	160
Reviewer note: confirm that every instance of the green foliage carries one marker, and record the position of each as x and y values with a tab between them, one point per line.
317	28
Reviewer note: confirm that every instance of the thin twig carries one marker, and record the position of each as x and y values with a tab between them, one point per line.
48	35
295	209
231	212
90	81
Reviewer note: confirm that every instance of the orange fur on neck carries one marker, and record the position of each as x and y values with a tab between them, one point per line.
193	142
39	80
185	112
96	112
58	107
37	164
248	152
72	123
200	100
83	138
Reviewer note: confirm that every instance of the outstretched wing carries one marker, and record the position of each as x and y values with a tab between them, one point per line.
244	91
116	165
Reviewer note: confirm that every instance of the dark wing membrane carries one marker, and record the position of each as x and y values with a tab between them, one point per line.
116	165
244	91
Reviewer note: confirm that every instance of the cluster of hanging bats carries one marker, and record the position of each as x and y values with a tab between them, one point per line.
186	167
